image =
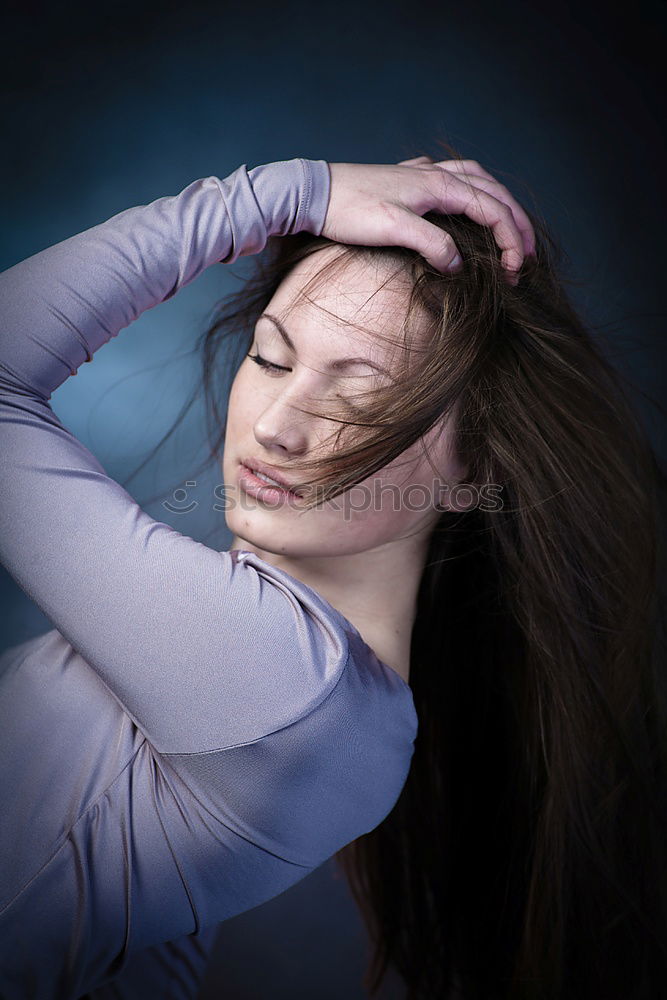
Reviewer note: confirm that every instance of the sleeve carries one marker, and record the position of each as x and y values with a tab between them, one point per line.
201	651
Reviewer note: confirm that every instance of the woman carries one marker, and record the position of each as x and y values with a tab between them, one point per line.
296	655
125	825
526	854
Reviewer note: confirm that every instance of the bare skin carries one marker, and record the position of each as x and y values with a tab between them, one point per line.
367	562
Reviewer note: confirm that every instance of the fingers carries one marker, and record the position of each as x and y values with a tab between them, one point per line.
385	205
487	182
410	230
459	195
477	178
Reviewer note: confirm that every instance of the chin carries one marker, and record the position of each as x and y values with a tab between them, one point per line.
289	544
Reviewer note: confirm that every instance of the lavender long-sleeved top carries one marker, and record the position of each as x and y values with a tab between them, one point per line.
200	729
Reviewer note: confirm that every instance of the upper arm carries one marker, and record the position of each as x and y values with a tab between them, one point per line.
202	651
304	791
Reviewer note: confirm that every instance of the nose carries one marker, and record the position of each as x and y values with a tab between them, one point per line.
284	428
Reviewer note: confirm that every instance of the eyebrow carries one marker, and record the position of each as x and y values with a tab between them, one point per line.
333	365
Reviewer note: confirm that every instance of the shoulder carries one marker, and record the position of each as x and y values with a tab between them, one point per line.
309	630
294	646
335	766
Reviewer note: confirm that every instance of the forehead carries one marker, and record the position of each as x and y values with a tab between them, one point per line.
358	303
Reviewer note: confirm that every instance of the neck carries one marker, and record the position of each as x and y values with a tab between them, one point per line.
376	590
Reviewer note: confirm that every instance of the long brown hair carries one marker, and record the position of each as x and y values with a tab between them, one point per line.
526	856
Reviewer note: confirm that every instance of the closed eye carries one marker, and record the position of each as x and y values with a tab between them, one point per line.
269	367
263	363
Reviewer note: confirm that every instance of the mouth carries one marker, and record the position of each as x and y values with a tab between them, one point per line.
260	484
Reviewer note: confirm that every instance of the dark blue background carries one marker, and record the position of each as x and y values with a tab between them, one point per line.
112	106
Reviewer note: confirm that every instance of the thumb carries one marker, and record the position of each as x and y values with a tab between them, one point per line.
414	161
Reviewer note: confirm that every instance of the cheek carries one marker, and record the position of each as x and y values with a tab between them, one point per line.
239	423
240	417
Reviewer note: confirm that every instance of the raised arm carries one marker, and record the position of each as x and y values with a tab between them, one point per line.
177	631
60	305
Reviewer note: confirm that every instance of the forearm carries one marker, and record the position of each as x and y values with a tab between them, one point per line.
60	305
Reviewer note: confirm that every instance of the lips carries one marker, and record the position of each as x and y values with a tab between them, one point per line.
254	465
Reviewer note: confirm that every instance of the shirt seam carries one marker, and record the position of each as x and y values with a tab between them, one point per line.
258	739
66	835
248	840
303	207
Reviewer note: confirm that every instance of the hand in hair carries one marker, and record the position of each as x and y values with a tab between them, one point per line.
383	205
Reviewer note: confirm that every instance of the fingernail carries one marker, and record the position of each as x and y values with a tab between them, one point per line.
455	263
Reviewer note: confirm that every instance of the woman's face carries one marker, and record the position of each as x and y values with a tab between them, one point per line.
266	429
